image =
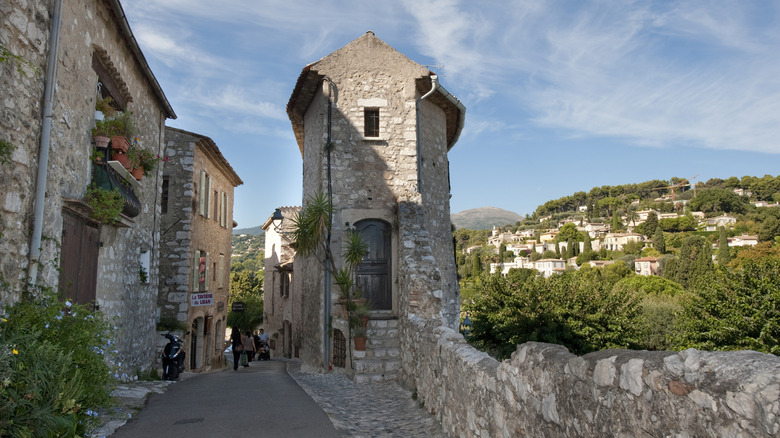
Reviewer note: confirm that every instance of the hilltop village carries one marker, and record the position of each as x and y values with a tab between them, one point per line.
641	233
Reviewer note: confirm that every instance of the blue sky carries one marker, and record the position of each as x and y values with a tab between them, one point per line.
561	96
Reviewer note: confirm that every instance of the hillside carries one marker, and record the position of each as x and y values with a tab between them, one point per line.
254	231
484	218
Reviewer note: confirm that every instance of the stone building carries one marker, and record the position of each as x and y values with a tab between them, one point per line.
389	125
79	51
282	311
195	243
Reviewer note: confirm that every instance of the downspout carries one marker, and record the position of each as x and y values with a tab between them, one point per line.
327	303
434	86
43	151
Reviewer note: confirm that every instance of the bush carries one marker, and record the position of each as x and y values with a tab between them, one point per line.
53	376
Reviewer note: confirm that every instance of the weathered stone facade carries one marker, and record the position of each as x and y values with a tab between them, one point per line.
282	307
396	175
544	390
196	241
91	31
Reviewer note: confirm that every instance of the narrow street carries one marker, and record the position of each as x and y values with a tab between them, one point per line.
261	400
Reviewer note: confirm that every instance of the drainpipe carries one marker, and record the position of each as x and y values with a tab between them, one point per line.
434	86
326	301
43	152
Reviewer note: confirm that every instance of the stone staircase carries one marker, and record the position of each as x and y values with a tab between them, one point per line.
381	361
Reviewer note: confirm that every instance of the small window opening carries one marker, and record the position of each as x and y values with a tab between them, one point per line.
371	128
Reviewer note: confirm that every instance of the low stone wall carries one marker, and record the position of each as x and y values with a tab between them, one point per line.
544	390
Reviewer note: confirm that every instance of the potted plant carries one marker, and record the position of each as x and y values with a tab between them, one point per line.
103	108
123	129
98	156
148	161
134	161
106	204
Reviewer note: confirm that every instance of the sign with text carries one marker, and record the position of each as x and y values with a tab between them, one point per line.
202	299
238	306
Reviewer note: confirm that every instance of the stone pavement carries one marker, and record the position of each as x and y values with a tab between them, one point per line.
381	409
378	409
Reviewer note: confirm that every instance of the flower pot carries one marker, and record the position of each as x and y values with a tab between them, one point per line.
123	159
119	143
101	141
360	343
137	172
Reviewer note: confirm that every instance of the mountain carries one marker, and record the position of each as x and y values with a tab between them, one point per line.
484	218
254	231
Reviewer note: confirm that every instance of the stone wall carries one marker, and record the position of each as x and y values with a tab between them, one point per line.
87	27
544	390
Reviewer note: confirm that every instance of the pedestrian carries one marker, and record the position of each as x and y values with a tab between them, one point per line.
263	336
238	346
249	346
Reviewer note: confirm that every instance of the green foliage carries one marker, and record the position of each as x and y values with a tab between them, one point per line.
576	309
661	303
718	200
53	372
568	231
659	241
106	204
678	224
251	317
738	309
693	264
21	64
120	123
724	256
6	149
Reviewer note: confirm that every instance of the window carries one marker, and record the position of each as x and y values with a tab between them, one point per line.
203	194
164	201
284	283
221	282
216	205
371	124
200	274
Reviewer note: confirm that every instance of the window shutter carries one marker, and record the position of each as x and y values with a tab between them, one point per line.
203	194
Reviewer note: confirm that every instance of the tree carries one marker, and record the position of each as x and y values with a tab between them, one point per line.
570	248
568	232
717	200
738	310
724	257
616	225
770	228
648	227
693	265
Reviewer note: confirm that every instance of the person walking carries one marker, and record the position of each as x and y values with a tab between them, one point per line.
249	346
238	346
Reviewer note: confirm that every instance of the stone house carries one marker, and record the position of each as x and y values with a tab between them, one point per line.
282	311
548	267
714	223
646	266
82	51
195	243
389	125
616	241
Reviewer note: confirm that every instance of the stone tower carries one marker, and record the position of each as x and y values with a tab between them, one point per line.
374	129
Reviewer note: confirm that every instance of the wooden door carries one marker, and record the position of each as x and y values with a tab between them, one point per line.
374	271
79	259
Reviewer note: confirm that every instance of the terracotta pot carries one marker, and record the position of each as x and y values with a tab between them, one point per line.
123	159
137	172
119	143
101	141
360	343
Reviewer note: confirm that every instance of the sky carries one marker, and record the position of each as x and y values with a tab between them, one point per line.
561	96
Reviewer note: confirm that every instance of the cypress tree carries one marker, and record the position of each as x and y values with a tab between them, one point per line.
658	240
724	255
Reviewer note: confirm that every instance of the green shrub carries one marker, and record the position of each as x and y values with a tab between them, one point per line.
53	372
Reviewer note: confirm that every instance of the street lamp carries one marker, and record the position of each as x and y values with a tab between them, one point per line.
466	326
277	220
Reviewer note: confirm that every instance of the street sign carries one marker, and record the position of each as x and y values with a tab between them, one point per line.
238	306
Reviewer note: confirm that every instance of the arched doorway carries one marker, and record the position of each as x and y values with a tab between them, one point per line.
374	271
